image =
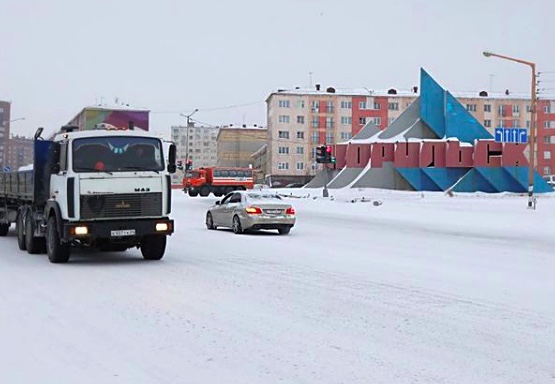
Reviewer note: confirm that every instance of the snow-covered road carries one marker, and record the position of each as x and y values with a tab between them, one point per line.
420	289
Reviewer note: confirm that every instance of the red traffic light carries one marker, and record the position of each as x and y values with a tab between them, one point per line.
328	148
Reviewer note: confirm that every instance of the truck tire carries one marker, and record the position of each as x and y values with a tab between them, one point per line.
193	194
204	191
20	229
4	229
153	246
33	244
58	252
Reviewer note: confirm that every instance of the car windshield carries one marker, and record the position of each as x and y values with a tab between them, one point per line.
117	154
262	196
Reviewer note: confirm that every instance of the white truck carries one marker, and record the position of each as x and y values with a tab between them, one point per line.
104	189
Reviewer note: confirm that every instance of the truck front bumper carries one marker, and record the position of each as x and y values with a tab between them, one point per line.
116	229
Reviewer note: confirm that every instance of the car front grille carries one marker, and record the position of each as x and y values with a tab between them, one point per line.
121	205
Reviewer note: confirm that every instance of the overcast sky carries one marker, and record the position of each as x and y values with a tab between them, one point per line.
57	56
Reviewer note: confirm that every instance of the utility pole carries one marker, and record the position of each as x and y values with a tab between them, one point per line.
189	124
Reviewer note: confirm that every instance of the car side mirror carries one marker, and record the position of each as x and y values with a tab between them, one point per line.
218	202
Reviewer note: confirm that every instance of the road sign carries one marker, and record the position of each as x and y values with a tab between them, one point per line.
511	135
7	169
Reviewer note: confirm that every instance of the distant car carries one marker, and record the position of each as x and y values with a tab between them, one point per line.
294	185
251	210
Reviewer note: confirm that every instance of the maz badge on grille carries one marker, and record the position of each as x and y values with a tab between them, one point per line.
142	189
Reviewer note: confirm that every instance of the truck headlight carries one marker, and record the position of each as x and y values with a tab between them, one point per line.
162	227
81	230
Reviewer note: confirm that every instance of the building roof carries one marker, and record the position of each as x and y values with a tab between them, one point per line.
393	92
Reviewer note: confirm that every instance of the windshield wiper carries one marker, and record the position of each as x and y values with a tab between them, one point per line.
80	169
136	168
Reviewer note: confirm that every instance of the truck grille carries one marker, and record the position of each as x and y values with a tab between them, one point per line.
121	205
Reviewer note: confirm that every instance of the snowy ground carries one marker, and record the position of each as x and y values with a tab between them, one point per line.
423	288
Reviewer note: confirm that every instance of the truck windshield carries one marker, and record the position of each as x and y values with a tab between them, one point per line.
117	154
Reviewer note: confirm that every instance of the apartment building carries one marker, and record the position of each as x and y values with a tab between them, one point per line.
237	144
20	151
5	109
196	143
301	119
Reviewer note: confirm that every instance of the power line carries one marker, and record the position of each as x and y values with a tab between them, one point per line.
212	109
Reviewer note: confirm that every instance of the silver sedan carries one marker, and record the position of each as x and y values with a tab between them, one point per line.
251	210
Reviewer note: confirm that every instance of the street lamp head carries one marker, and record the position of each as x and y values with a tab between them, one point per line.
487	54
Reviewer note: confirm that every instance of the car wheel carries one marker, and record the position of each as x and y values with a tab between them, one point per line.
237	228
284	231
210	221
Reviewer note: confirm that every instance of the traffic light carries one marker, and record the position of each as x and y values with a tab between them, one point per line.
328	155
189	165
321	154
179	164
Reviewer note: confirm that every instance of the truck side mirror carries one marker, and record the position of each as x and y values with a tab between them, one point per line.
55	158
171	159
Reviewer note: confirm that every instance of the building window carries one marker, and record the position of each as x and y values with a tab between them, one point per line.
501	111
547	170
300	104
283	134
315	137
284	104
315	122
329	138
346	135
516	109
283	166
547	139
346	105
283	150
345	120
315	106
300	119
300	166
283	118
300	150
300	135
501	124
362	105
378	121
547	155
377	105
527	123
393	106
329	106
471	107
548	124
516	123
487	107
547	109
329	122
487	123
528	108
362	120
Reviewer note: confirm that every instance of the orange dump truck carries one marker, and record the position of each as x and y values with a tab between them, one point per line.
218	180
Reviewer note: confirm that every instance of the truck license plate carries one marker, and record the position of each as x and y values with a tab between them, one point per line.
123	232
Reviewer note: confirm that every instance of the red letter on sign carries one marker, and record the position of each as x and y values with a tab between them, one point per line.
381	152
457	156
513	155
406	155
432	154
488	153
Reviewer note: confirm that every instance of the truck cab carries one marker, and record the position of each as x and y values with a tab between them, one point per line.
105	189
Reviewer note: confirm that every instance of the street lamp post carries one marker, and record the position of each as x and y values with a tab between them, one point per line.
188	117
532	135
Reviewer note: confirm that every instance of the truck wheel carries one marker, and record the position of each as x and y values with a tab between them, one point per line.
193	194
33	244
153	246
204	191
4	228
58	252
20	229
